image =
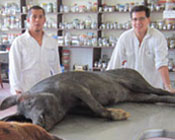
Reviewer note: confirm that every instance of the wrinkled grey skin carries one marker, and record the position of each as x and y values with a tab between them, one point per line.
49	101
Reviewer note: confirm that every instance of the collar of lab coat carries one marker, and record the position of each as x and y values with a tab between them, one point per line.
28	34
148	33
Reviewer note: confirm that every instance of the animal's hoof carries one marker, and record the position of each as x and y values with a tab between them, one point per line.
118	114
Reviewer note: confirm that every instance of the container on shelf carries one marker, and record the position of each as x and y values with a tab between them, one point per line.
68	39
49	8
66	59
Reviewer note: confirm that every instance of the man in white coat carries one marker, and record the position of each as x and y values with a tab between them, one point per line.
33	55
143	49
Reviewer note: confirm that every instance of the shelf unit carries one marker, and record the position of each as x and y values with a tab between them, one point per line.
100	17
97	51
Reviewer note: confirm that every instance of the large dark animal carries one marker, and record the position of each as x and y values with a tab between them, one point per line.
50	100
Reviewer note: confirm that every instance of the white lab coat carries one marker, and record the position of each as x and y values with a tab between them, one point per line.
29	62
146	59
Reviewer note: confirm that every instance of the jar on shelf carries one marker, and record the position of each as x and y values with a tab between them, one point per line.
54	7
88	22
170	64
74	8
24	9
49	8
160	24
66	8
172	44
94	41
83	39
82	8
93	25
76	23
44	6
94	7
66	59
89	6
67	39
82	25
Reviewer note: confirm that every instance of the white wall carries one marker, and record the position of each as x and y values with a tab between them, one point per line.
81	56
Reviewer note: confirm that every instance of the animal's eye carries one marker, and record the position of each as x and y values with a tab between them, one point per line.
28	104
42	119
41	116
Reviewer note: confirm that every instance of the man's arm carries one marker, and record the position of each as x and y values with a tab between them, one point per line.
57	66
118	56
15	68
165	78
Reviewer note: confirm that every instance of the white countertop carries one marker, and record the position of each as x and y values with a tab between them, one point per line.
143	117
3	52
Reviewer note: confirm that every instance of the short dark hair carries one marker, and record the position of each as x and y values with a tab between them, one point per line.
140	8
35	7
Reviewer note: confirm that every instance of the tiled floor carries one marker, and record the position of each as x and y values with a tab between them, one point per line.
5	92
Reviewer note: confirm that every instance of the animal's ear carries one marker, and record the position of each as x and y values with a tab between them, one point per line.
9	101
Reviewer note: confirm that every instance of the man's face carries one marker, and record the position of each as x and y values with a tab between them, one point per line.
140	22
36	20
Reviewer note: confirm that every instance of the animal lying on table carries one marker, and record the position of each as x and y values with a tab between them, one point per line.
23	131
48	102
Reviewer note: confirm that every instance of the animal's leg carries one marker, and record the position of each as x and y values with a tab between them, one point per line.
150	98
132	80
114	114
118	114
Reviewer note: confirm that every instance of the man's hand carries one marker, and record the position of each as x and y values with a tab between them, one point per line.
170	89
18	92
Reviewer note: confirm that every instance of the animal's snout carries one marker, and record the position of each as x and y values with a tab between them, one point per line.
40	121
17	118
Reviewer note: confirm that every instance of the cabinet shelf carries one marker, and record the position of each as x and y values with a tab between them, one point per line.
103	12
113	30
8	15
51	29
79	29
5	80
12	30
52	13
171	30
171	49
97	69
114	12
89	12
160	11
94	30
4	44
70	46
